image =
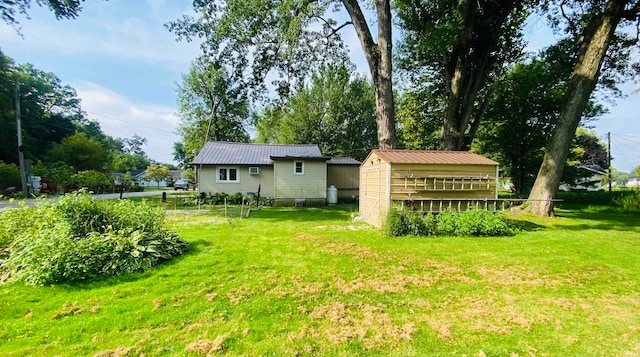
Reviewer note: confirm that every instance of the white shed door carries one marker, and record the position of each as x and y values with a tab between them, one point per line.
371	190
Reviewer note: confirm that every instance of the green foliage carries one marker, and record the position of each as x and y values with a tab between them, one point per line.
403	222
213	106
629	201
95	181
330	111
157	173
78	238
473	222
79	151
9	175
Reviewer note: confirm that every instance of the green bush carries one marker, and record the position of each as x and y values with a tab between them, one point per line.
9	176
403	222
474	222
630	201
78	238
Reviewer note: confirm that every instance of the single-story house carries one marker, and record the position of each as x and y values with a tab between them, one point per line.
426	180
290	174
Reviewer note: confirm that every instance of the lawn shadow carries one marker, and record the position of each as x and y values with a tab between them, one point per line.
525	225
305	214
601	219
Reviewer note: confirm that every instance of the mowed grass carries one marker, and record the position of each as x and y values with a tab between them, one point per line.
310	282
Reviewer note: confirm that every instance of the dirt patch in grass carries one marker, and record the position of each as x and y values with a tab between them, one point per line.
206	347
341	324
338	228
118	352
297	287
68	310
517	276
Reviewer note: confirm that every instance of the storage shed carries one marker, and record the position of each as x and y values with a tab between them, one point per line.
426	180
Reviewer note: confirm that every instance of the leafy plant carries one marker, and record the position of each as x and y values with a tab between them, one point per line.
473	222
79	238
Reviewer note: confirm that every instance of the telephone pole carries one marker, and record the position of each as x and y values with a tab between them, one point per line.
23	174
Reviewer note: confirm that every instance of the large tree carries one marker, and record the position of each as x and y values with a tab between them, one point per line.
50	110
593	24
294	38
213	106
524	111
457	49
335	111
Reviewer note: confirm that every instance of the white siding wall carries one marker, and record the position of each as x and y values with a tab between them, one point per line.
312	184
248	183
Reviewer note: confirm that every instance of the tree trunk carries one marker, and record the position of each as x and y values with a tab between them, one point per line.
467	69
380	65
595	40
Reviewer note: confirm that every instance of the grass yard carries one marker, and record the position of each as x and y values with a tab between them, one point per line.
309	282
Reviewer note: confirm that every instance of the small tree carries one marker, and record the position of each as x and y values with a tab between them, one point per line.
157	173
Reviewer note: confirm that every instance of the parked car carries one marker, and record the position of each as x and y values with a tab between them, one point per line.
184	184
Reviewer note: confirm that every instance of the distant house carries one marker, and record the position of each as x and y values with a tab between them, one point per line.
590	179
425	180
286	173
139	177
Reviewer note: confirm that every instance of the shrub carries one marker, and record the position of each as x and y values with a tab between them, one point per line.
9	176
78	238
630	201
402	222
473	222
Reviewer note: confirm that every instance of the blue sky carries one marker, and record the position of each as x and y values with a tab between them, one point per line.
125	65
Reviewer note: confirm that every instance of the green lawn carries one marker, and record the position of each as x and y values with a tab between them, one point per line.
310	282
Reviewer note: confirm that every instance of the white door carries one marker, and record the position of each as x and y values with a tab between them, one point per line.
371	190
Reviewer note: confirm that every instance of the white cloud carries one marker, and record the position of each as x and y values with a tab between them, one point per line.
140	38
118	117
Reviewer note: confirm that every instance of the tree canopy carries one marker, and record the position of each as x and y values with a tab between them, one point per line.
332	110
294	38
212	106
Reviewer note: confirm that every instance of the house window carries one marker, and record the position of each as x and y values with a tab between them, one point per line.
298	167
228	174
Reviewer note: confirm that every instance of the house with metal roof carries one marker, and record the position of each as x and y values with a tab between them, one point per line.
425	180
290	174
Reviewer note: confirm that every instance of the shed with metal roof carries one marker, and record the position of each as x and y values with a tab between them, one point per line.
426	180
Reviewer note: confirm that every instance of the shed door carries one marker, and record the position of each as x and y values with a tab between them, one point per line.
371	182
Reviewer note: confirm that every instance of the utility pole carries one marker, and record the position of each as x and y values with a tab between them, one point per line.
609	157
23	174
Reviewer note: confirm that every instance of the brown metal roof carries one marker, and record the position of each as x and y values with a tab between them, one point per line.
230	153
432	157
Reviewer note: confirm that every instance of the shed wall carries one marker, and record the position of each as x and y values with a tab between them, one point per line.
443	181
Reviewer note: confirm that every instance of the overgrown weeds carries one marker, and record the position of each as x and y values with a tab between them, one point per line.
78	238
473	222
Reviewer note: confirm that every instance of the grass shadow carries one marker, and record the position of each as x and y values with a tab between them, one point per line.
305	214
601	218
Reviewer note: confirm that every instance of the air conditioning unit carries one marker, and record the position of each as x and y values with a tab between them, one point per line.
254	170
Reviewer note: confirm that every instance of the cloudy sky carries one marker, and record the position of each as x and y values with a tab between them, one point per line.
125	65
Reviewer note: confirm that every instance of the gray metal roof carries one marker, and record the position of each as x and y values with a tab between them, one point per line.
229	153
343	161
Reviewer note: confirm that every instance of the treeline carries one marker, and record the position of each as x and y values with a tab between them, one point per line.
59	141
